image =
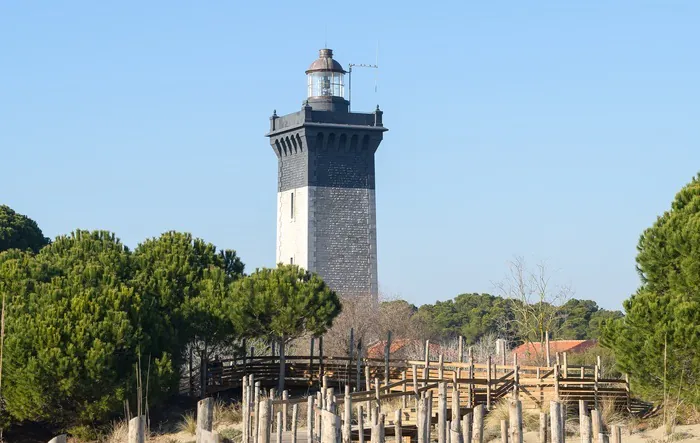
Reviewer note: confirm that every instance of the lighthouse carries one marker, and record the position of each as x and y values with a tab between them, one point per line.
326	207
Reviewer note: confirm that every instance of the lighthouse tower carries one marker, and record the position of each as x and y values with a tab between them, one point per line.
326	209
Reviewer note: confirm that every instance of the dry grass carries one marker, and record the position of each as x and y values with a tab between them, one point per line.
227	414
118	432
501	411
188	424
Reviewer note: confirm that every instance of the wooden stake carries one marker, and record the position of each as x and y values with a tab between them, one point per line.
595	424
516	421
467	428
295	416
442	411
397	425
347	416
285	410
455	405
311	362
546	340
504	431
426	371
205	414
403	389
310	419
280	427
460	350
616	434
264	421
563	421
256	412
543	427
585	428
421	420
441	367
360	424
387	352
478	425
555	420
137	430
488	384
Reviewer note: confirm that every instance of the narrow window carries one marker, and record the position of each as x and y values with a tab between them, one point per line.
291	215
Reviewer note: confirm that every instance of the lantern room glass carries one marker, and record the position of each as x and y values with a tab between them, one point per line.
326	84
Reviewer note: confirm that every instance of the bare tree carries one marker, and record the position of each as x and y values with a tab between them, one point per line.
536	301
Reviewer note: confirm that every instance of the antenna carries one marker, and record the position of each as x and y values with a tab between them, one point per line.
359	65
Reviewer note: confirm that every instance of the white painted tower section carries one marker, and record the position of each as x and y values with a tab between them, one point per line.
293	227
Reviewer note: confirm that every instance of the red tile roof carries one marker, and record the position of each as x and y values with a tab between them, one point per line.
530	350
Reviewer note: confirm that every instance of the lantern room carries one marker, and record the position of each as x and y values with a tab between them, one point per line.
326	83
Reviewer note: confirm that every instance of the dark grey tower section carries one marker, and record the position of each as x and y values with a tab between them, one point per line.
326	209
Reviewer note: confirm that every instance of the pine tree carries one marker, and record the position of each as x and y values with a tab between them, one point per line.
666	308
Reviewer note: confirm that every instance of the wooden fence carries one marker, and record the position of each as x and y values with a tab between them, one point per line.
476	383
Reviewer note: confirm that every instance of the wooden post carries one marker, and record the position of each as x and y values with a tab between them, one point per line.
488	384
311	362
360	425
310	419
245	406
441	367
585	428
516	381
448	434
191	371
347	416
627	393
546	341
137	430
540	402
426	371
616	434
63	438
351	351
470	391
460	352
602	438
555	420
543	427
455	431
455	405
421	421
397	425
516	421
556	384
358	364
285	409
205	414
504	431
378	430
264	421
321	372
565	373
256	412
330	427
387	352
595	424
442	411
414	370
595	387
467	428
280	427
203	380
376	393
563	421
403	389
295	416
478	426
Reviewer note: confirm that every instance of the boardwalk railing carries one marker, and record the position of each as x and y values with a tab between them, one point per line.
476	383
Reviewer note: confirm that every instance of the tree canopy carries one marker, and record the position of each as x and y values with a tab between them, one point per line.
18	231
658	340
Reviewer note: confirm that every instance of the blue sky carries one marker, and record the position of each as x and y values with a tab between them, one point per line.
553	130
